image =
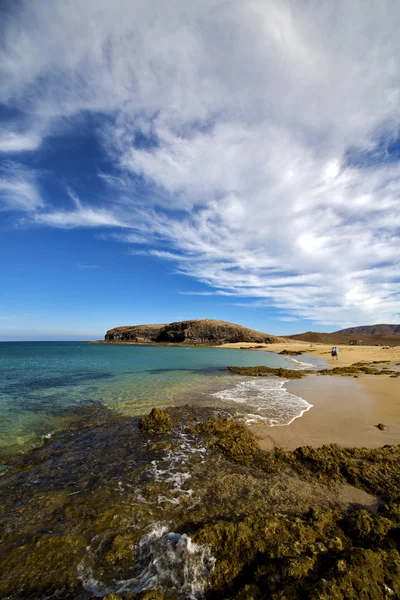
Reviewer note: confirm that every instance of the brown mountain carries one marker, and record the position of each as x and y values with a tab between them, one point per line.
198	331
368	335
374	329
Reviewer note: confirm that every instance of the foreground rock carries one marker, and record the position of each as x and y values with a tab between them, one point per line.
156	422
198	331
350	371
199	511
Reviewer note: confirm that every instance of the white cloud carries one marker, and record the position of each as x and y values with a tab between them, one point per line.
250	109
19	188
11	141
84	217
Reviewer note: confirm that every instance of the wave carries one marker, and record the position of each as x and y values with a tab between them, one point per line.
304	365
264	400
161	560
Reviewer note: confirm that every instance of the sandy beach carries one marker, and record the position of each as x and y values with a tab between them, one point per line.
348	355
345	410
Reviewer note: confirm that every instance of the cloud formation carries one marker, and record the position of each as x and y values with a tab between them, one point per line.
231	127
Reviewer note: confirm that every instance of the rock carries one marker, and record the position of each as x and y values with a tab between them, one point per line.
156	422
263	371
381	426
200	331
134	333
230	437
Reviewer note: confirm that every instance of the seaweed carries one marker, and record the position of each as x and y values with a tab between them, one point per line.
263	371
284	545
157	421
351	370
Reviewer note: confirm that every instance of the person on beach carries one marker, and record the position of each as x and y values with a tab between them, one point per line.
335	353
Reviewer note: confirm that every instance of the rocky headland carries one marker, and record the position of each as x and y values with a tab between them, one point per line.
193	332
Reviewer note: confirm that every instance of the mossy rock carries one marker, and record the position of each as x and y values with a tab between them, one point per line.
230	437
263	371
368	530
157	421
49	564
365	575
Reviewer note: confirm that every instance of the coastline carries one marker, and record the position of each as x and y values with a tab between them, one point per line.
345	411
113	490
348	355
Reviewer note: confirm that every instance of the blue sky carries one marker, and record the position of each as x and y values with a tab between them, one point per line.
166	161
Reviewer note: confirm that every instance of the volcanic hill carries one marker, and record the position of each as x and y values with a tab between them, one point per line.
368	335
197	331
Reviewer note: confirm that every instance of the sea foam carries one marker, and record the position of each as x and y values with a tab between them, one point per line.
163	560
264	400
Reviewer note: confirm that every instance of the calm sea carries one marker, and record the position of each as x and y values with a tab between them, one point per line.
43	384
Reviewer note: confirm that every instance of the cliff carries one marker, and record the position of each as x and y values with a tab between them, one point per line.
134	333
200	331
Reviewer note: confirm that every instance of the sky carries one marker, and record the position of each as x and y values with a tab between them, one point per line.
222	159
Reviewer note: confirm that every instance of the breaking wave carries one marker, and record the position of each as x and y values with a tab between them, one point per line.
264	400
162	560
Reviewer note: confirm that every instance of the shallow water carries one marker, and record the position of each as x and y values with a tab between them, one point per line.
42	383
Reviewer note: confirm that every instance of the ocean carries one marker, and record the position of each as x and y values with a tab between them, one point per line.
45	384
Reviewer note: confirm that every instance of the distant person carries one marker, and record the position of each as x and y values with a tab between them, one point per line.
333	352
336	353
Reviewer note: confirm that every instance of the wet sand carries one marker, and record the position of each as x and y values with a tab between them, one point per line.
345	411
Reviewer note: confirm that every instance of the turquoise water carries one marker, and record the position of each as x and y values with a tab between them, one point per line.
42	383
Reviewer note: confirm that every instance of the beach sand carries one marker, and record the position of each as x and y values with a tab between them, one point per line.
347	354
345	411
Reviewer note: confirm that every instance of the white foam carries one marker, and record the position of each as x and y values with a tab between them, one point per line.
304	365
265	400
174	469
163	559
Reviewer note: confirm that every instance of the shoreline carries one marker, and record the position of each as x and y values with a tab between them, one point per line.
348	355
344	411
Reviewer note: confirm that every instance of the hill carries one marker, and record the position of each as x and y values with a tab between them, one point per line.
347	336
197	331
373	329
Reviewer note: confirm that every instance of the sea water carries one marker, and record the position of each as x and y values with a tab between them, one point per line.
43	383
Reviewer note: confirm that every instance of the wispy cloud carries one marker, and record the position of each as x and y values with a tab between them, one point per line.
83	217
230	127
12	142
19	188
82	267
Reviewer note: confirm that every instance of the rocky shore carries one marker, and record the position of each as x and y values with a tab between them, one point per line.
184	504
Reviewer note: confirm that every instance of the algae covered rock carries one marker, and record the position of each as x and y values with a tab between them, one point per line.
365	575
232	438
156	422
263	371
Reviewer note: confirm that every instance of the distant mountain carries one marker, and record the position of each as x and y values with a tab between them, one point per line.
368	335
374	329
198	331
